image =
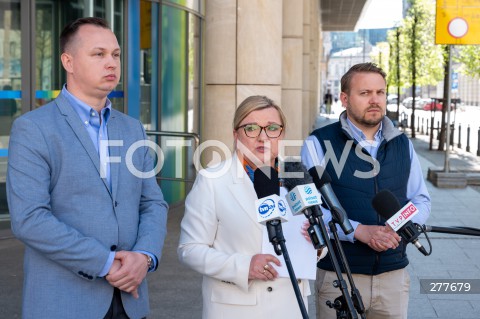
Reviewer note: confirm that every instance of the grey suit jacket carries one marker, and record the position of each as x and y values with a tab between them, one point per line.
68	218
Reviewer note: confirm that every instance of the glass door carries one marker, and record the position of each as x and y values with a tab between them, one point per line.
10	84
29	32
51	16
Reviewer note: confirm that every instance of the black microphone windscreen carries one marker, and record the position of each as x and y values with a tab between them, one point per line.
299	168
319	181
386	204
265	181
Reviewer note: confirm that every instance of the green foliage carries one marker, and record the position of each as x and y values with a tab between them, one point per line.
469	57
380	55
421	60
419	52
393	38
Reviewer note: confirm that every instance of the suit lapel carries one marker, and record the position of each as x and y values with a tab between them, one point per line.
242	190
76	124
114	134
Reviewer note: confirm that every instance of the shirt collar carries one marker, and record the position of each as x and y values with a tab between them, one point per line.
84	110
360	137
251	172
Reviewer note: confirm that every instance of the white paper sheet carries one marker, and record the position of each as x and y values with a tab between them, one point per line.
301	252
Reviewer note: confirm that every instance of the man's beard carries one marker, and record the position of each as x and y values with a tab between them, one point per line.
362	120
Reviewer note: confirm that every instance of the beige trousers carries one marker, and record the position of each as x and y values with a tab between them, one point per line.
384	296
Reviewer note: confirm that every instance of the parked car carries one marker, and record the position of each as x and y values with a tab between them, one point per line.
407	102
438	106
392	99
393	108
419	102
433	105
423	102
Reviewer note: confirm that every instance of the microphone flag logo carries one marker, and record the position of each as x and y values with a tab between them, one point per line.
270	208
282	208
303	196
402	216
266	208
308	190
293	196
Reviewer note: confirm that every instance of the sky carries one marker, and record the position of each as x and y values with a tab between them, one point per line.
380	14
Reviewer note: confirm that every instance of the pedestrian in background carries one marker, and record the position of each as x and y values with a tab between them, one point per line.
328	100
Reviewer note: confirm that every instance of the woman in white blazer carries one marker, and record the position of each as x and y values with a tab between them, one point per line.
220	236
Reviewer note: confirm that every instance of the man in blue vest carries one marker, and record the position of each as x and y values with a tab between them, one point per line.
364	153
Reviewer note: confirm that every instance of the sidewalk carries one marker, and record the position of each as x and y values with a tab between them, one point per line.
453	256
175	291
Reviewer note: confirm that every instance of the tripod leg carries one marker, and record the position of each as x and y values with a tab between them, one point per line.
327	293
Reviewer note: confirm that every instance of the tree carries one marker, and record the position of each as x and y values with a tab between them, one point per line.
469	56
418	52
394	77
380	56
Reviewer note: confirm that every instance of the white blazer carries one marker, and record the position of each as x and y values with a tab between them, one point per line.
219	236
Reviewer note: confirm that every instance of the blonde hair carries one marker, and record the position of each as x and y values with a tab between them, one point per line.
255	103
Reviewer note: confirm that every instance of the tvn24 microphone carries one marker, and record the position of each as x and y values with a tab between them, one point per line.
271	209
303	198
398	218
323	185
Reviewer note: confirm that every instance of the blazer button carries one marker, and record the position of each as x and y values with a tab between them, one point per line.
113	247
299	281
116	203
269	289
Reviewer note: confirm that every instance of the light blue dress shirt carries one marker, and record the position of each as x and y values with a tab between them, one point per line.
416	189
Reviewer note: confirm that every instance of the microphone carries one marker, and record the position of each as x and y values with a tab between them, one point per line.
270	208
398	218
303	185
323	185
303	198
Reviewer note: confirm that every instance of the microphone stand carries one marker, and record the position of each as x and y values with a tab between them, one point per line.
458	230
356	297
344	304
275	234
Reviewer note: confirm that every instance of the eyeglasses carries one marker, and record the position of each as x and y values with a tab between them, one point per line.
254	130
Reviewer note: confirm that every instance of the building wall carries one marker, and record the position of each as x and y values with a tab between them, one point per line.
264	47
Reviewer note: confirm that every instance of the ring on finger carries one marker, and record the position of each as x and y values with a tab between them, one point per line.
266	267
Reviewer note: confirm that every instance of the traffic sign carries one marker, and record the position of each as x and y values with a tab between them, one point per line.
457	22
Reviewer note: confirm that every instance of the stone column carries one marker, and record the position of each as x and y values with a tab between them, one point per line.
243	57
264	47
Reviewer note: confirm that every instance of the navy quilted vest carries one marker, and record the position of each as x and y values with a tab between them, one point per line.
356	193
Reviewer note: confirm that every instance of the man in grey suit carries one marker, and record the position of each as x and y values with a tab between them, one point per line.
82	192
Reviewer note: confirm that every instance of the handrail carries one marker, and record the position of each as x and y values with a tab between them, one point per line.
193	136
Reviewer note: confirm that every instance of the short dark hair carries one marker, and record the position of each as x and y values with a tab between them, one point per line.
72	28
359	68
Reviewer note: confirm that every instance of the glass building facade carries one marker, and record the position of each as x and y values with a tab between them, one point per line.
161	83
